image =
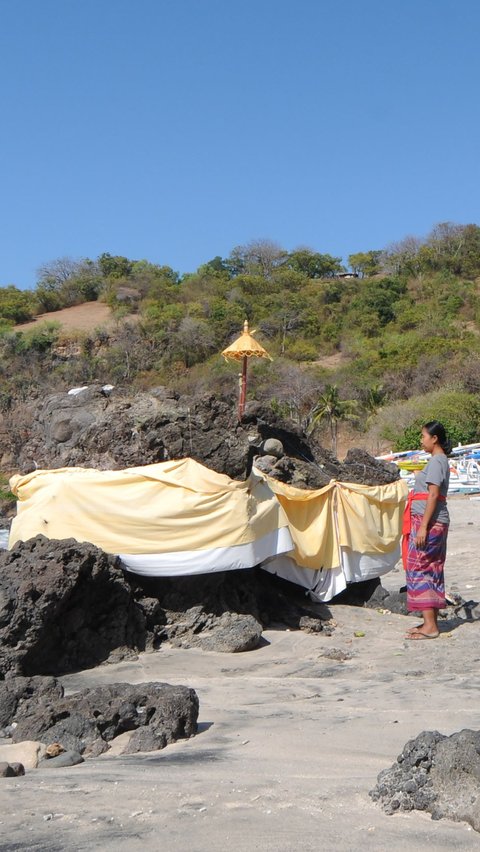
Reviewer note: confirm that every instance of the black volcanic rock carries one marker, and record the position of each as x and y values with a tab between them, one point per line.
360	467
437	774
125	429
15	691
86	722
63	606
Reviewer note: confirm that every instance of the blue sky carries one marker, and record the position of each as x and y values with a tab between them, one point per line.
173	130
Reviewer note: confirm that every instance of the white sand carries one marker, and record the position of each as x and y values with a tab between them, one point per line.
290	742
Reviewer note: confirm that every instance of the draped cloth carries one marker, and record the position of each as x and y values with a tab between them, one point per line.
179	517
176	517
361	518
342	533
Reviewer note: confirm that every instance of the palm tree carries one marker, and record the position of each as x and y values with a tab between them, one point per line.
334	410
375	398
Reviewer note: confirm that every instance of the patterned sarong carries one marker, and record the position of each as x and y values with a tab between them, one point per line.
425	582
407	521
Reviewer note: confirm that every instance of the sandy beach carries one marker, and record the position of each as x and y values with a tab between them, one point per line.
290	739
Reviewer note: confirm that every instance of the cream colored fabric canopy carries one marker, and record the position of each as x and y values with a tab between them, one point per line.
179	517
167	507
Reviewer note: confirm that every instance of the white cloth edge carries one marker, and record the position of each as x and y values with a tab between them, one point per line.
188	562
323	585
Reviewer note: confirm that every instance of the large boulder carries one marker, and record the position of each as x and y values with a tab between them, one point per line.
232	632
156	713
119	428
63	606
437	774
123	429
224	611
360	467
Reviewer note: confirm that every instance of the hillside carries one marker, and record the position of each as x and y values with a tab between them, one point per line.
361	357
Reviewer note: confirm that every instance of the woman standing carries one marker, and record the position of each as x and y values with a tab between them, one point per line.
427	519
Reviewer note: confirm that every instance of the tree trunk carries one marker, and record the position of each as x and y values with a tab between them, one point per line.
284	336
333	429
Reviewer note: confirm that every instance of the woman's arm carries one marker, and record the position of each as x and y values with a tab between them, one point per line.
433	495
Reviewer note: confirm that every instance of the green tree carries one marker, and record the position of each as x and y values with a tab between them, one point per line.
145	275
17	305
314	265
374	398
224	319
41	338
374	305
469	254
115	266
453	248
401	422
365	263
333	410
217	264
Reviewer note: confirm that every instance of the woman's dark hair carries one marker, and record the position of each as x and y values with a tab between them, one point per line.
437	430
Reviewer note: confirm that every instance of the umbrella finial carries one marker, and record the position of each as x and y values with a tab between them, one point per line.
245	327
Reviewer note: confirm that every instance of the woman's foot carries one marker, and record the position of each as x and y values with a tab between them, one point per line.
417	633
429	627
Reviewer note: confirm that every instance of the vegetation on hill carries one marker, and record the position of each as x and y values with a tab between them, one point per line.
405	324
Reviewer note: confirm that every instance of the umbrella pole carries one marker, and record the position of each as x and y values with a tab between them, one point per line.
243	389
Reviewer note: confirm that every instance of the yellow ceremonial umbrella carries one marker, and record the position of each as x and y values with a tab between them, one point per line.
241	349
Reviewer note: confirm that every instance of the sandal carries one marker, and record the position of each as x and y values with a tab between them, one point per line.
420	635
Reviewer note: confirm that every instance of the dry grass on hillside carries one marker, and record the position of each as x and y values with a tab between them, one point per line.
331	362
83	317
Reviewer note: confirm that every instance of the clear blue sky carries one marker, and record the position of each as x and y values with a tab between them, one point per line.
173	130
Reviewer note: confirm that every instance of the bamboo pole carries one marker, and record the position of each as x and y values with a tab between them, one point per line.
243	388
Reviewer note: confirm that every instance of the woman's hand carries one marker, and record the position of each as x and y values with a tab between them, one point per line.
421	536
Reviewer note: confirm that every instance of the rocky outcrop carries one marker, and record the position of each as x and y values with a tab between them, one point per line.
229	632
63	606
118	430
437	774
224	611
66	606
16	691
156	713
359	466
373	595
108	428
